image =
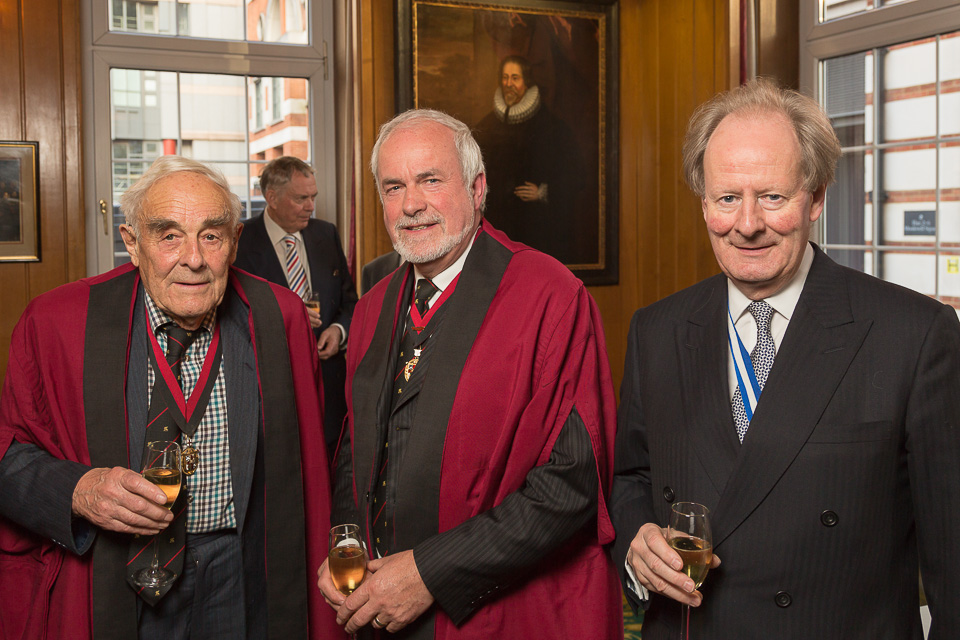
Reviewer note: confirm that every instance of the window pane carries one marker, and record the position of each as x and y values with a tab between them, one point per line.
205	117
908	96
255	20
902	154
278	21
915	271
950	84
831	9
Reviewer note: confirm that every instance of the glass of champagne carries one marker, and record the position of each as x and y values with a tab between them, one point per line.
348	558
313	301
161	466
689	535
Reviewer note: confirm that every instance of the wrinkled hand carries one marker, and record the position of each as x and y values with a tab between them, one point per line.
658	566
314	316
329	342
393	593
119	499
328	590
528	192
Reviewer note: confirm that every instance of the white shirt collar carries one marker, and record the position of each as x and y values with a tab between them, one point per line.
276	232
443	279
784	302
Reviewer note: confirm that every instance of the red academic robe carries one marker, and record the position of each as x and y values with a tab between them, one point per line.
46	592
523	345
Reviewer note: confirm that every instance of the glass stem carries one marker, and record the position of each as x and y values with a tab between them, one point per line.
155	567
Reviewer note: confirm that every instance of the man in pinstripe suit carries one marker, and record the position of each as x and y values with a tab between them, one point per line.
481	419
846	479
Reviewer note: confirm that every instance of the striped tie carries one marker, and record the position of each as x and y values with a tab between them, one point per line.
296	276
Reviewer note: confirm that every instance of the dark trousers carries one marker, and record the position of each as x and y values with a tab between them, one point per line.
207	602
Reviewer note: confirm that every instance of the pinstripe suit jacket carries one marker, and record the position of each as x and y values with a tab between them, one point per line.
848	480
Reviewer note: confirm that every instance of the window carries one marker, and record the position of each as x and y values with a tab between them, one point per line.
221	81
888	75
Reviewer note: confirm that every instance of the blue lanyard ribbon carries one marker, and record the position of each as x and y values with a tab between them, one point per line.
743	365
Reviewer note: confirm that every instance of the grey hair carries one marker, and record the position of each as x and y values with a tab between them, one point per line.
819	146
468	151
132	201
278	173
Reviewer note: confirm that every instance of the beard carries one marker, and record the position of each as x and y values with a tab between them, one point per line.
511	97
414	253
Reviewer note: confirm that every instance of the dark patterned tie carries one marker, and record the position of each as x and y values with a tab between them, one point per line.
425	290
162	426
762	357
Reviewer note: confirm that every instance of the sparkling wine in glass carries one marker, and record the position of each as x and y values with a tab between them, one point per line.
347	558
161	466
689	535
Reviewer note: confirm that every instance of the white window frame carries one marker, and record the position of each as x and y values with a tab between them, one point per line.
104	50
872	29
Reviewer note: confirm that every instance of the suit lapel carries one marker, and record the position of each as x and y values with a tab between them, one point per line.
822	339
702	352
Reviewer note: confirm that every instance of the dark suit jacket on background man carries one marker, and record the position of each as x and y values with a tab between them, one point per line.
330	277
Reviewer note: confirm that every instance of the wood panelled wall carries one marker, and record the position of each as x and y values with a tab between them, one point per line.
674	54
40	100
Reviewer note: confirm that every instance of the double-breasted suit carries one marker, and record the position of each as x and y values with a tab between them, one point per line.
846	483
330	277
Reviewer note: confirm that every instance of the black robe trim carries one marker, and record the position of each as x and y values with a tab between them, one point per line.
109	315
286	561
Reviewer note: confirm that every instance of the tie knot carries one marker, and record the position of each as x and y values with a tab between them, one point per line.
425	290
290	242
761	312
178	341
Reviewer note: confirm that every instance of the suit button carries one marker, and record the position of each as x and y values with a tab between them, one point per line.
783	599
668	494
829	518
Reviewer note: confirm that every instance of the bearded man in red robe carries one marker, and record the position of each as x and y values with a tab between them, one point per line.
481	419
88	385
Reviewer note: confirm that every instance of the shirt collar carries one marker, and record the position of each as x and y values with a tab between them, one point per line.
276	232
784	301
443	279
159	318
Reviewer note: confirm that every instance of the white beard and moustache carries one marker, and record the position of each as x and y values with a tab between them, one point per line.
445	245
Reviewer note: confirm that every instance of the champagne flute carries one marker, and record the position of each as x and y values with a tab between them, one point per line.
312	300
161	466
347	558
689	535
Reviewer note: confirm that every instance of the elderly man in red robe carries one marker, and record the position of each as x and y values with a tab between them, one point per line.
176	346
481	423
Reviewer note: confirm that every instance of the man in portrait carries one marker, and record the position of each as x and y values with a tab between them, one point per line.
534	174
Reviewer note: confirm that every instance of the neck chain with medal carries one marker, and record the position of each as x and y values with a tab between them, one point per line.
419	323
187	413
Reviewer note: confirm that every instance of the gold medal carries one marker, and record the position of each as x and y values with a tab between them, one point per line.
189	460
411	364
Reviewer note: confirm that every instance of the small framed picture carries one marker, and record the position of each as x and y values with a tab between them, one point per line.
19	202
